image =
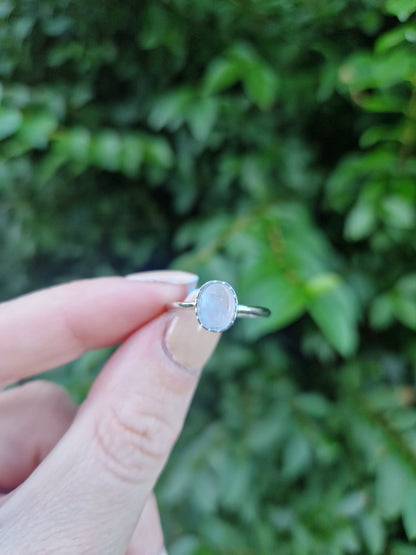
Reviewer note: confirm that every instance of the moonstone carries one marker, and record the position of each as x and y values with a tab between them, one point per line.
216	306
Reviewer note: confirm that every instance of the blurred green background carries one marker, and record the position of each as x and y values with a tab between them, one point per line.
269	143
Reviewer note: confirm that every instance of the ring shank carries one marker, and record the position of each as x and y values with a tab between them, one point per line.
244	311
182	304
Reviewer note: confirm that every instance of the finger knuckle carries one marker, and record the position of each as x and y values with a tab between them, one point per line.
133	442
43	389
58	401
50	396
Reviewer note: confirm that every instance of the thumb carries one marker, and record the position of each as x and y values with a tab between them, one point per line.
91	489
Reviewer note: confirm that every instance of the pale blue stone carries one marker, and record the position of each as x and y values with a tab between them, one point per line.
217	306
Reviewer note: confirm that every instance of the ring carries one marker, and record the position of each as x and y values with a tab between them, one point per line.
216	306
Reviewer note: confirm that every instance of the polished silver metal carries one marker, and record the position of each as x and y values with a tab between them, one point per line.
241	310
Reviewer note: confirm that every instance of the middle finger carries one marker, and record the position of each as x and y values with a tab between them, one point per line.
33	417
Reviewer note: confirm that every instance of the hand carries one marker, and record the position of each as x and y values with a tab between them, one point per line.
81	481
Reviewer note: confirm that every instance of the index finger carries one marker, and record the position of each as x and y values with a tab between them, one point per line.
51	327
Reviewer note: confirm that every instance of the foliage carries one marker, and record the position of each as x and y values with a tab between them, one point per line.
270	143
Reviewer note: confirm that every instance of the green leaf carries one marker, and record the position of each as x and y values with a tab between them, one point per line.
261	84
170	109
106	150
379	101
253	175
407	285
381	312
185	545
403	300
10	120
297	457
333	312
285	300
409	513
283	518
405	310
360	223
74	143
157	152
6	8
347	540
36	129
56	26
381	133
402	9
322	283
313	404
366	70
398	212
391	486
373	532
243	54
352	504
221	74
398	35
131	155
404	420
399	548
267	433
342	182
49	166
201	117
209	495
222	535
236	482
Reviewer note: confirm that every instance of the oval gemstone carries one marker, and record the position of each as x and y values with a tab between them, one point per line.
216	307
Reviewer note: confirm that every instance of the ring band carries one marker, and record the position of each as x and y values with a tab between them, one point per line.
216	306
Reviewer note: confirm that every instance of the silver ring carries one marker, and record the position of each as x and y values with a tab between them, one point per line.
216	306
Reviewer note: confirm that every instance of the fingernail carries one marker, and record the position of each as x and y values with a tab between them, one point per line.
188	343
175	277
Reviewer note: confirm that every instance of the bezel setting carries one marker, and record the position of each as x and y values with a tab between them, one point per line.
201	291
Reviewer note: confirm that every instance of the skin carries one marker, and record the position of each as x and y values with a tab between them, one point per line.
80	480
